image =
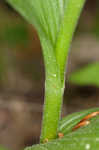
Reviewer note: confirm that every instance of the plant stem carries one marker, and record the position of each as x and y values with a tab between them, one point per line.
55	50
55	68
53	94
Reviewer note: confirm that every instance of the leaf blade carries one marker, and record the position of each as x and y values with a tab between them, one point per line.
88	75
86	137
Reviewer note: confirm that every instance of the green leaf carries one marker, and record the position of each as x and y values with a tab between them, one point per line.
84	138
15	34
1	148
71	120
88	75
46	15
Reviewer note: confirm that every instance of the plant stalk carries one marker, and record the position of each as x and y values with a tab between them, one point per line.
55	70
53	94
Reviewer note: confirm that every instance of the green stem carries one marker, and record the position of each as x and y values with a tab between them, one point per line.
53	94
71	15
55	58
54	84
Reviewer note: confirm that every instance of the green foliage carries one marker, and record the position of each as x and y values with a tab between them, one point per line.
88	75
67	123
55	22
1	148
15	34
86	137
95	29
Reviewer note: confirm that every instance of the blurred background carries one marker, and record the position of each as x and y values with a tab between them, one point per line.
22	74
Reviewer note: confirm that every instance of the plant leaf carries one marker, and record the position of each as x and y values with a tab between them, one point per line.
71	120
2	148
46	15
88	75
86	137
14	35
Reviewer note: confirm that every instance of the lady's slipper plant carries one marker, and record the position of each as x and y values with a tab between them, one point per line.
55	22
